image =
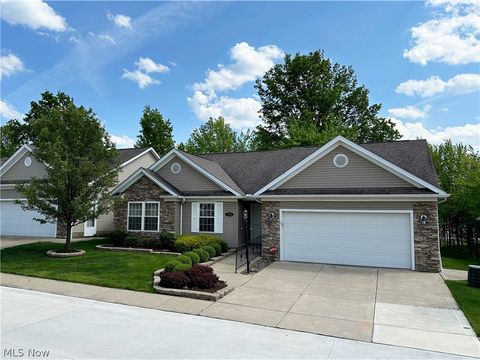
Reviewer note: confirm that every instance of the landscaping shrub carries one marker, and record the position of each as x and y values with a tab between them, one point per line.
204	255
189	242
169	266
201	277
167	240
131	241
211	251
217	247
175	280
184	259
117	237
224	245
181	267
193	257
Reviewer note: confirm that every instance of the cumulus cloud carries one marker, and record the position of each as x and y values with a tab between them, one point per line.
119	20
453	37
247	64
457	85
10	64
122	141
410	112
8	112
149	66
34	14
143	80
468	134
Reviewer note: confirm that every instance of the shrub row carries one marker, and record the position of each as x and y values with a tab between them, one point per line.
190	242
190	258
196	277
165	240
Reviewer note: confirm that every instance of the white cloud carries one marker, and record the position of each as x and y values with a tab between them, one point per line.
8	112
248	64
34	14
240	113
148	65
122	21
452	38
10	64
457	85
102	37
143	80
107	38
468	134
122	141
410	112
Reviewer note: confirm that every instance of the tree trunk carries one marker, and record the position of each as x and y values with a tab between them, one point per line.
68	237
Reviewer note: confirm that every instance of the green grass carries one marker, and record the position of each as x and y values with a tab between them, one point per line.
124	270
452	258
468	299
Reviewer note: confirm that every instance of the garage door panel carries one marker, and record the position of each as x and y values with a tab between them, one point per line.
17	222
351	238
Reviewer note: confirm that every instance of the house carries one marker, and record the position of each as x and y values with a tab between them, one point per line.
22	166
342	203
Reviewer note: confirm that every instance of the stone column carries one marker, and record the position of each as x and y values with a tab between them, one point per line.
427	250
271	229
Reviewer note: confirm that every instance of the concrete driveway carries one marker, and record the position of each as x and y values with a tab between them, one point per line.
396	307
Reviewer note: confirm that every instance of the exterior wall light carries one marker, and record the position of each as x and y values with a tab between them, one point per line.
271	216
423	219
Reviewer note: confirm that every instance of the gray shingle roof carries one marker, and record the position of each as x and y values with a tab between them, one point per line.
130	153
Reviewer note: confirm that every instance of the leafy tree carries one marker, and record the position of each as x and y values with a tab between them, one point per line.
82	164
458	169
308	100
12	136
156	131
216	136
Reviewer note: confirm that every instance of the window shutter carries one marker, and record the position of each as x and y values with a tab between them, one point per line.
218	218
195	214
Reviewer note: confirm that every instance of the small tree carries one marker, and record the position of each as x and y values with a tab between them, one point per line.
216	136
81	165
155	131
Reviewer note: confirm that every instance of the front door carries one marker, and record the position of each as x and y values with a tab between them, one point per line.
90	228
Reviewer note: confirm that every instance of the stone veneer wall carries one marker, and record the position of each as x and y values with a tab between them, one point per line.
426	244
145	190
427	252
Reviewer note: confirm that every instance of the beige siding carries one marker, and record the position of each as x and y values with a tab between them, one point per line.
230	223
188	179
346	205
21	172
358	173
10	194
144	161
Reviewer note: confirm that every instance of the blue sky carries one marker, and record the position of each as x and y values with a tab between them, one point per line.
195	60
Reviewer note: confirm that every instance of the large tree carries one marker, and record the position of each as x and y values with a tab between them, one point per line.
308	99
216	136
155	131
12	136
82	163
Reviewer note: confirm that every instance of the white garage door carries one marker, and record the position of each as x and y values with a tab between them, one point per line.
351	238
15	221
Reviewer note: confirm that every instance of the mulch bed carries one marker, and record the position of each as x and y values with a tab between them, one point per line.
220	285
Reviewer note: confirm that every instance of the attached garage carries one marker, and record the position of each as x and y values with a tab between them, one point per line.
380	238
17	222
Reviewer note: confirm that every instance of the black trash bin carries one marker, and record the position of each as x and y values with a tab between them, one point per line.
474	275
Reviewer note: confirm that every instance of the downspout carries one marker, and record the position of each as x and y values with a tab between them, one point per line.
181	216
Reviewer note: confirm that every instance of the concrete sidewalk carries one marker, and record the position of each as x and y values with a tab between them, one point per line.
75	328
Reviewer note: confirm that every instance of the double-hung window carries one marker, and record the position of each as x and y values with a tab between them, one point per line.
207	217
143	216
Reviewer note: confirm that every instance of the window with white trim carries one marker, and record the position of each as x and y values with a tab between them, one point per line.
206	217
143	216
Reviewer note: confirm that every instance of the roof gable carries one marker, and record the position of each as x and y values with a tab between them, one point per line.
15	169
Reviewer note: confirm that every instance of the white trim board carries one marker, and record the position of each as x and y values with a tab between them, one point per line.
155	154
400	211
360	197
331	145
124	185
174	152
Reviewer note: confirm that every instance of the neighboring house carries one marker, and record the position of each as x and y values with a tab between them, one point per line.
22	166
342	203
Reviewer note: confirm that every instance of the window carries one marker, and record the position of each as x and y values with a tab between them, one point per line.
28	161
176	168
143	216
206	219
340	160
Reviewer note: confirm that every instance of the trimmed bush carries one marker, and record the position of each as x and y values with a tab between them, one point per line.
181	267
223	245
211	251
131	241
217	247
204	255
184	260
189	242
169	266
201	277
193	257
167	240
175	280
117	237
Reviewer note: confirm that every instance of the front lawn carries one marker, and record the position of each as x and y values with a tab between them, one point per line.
453	258
124	270
468	299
